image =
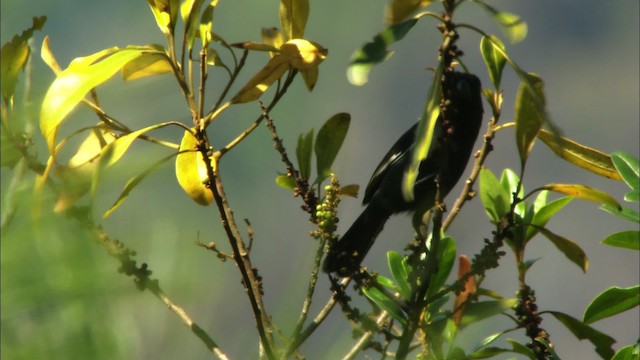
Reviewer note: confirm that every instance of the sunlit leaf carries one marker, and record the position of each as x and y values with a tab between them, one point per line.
114	150
585	157
350	190
627	165
400	271
425	130
14	56
611	302
47	56
509	181
147	64
286	182
625	239
206	23
629	352
569	248
304	54
329	141
293	18
400	10
545	214
73	83
376	51
190	11
165	13
493	59
446	260
133	182
624	213
582	331
263	79
389	305
191	171
583	192
495	199
304	151
529	119
513	26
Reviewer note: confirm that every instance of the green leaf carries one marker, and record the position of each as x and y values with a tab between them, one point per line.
293	18
328	142
133	182
73	83
512	25
114	150
624	213
400	271
519	348
446	260
582	331
481	310
495	199
582	156
189	11
625	239
286	182
493	59
528	116
260	82
628	168
629	352
303	153
376	51
389	305
425	130
569	248
14	56
541	217
583	192
206	23
611	302
509	181
632	196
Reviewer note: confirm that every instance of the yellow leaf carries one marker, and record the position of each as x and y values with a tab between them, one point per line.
583	192
399	10
263	79
293	17
273	37
585	157
304	54
191	171
147	64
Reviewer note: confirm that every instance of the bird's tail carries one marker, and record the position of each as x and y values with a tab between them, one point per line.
346	254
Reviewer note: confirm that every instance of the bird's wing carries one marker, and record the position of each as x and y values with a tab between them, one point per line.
397	152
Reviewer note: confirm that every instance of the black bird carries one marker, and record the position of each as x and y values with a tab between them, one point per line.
451	147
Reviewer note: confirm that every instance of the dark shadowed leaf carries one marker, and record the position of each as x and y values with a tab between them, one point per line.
603	342
569	248
328	142
529	117
303	153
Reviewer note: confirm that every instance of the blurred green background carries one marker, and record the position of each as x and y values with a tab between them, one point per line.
62	297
